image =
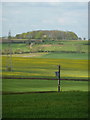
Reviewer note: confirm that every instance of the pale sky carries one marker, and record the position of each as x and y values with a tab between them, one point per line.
22	17
45	0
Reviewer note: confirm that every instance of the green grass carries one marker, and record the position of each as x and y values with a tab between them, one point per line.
76	46
66	42
65	55
46	105
16	47
28	85
66	47
56	55
72	102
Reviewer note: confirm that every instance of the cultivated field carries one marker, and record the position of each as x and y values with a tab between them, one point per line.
46	68
46	105
19	97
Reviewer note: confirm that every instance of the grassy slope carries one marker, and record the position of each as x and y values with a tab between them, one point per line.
16	47
50	46
46	105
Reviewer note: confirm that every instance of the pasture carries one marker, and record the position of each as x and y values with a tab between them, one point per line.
77	46
71	102
46	105
35	85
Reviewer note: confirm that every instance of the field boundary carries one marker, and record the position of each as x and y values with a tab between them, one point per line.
11	93
45	78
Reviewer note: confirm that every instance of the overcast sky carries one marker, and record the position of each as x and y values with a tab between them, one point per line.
22	17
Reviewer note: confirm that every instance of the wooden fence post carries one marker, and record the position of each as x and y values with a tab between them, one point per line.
59	78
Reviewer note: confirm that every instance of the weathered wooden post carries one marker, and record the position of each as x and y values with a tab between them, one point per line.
59	78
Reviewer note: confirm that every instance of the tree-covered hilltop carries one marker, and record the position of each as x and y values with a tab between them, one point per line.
45	34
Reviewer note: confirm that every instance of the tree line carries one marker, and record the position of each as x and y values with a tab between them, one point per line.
48	35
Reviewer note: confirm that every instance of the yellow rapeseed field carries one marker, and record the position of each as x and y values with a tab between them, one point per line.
42	67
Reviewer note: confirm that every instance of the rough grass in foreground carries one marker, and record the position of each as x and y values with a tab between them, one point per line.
46	105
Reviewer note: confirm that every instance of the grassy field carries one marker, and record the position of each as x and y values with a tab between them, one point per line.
56	55
16	48
63	47
71	102
61	55
46	105
29	85
66	46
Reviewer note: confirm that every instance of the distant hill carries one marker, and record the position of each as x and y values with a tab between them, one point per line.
46	34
